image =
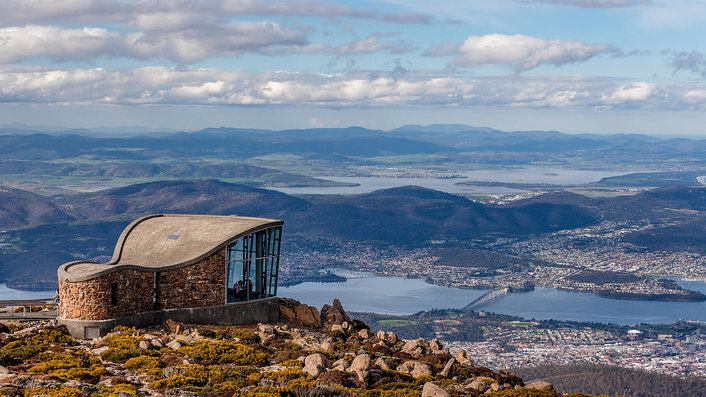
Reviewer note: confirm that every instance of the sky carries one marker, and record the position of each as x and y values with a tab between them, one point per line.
578	66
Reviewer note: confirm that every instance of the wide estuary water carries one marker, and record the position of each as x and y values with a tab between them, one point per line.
554	176
395	295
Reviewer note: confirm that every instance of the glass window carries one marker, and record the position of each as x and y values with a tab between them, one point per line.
252	266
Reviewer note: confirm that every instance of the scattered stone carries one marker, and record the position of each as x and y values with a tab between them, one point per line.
341	365
462	358
180	393
305	316
365	333
435	346
432	390
6	337
328	347
265	328
338	306
156	343
174	345
495	386
391	338
313	369
168	372
447	368
415	368
540	385
287	314
361	375
477	385
318	359
337	327
384	363
361	361
145	344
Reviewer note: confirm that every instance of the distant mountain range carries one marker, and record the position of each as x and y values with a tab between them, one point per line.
49	231
455	143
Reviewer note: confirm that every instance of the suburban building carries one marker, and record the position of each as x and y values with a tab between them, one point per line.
197	269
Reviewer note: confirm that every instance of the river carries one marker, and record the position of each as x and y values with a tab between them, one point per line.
367	184
395	295
7	293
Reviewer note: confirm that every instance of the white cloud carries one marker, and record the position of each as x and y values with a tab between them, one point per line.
524	52
60	44
639	91
164	86
157	14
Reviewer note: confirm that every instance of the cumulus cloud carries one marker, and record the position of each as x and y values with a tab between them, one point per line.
154	13
639	91
187	86
61	44
524	52
591	3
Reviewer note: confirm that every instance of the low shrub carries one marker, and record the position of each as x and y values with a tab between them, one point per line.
69	366
122	348
207	352
145	364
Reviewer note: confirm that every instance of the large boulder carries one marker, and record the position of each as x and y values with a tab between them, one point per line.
313	369
317	358
540	385
308	316
415	368
432	390
462	358
287	314
361	361
338	306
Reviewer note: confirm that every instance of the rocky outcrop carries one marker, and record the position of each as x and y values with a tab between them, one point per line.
310	355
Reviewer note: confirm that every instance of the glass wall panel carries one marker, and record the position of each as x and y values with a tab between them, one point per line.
252	266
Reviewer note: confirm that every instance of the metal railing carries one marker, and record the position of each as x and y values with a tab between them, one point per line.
23	309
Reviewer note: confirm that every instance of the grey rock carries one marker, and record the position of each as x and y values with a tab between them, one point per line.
180	393
145	344
361	361
313	369
174	345
318	359
462	358
171	371
341	365
447	368
384	363
415	368
432	390
540	385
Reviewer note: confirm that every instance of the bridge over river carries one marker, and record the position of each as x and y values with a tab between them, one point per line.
485	298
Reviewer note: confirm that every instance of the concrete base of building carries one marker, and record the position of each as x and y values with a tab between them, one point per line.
240	313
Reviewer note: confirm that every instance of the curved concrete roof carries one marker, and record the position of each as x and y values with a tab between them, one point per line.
167	241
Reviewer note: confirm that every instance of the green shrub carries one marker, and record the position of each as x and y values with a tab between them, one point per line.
69	365
194	379
145	364
207	352
122	348
29	346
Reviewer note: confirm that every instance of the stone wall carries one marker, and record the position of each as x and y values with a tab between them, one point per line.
198	285
91	299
